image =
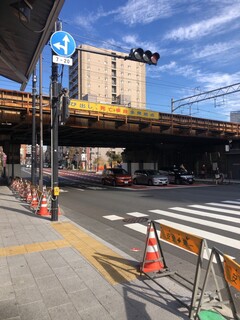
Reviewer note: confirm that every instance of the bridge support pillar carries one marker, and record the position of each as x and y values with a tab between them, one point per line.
13	166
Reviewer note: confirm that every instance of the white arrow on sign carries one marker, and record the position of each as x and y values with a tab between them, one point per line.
59	46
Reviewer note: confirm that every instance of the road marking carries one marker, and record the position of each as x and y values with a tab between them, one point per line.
96	188
231	206
137	214
143	229
206	214
208	223
215	209
113	217
229	201
203	234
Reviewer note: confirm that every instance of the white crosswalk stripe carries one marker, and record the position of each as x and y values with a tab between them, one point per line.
230	201
203	234
231	206
207	214
208	223
201	220
215	209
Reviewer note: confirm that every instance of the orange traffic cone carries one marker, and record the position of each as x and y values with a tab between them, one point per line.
34	202
29	196
44	207
152	261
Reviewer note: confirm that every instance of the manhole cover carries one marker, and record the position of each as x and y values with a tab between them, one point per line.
135	220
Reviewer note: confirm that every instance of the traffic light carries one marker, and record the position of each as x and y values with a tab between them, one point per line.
144	56
64	103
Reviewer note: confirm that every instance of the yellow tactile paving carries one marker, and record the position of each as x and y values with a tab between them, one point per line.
14	250
112	266
33	247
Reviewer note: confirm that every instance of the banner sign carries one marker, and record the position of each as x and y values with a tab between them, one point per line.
114	109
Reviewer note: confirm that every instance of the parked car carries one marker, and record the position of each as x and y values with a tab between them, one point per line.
150	177
178	176
116	177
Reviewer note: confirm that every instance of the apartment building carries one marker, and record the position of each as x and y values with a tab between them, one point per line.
107	79
235	116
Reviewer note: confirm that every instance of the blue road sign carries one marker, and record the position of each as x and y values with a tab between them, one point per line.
62	43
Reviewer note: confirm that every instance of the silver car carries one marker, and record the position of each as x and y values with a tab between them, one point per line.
150	177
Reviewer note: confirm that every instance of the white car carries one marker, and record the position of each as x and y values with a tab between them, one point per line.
150	177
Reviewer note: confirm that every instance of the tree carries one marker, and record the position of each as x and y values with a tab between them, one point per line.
114	157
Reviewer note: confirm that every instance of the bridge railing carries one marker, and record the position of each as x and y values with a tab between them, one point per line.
17	100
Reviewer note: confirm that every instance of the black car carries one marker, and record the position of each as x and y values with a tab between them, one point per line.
179	176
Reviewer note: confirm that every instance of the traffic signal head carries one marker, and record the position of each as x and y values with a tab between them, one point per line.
144	56
64	103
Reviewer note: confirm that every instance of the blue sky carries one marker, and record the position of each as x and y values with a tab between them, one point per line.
198	41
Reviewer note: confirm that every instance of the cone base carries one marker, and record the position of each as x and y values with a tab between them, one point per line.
152	267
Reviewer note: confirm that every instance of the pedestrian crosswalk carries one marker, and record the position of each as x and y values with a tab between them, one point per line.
218	222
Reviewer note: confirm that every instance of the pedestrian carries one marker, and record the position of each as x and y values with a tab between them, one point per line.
217	175
203	171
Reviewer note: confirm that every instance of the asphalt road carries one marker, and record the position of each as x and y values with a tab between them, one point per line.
119	215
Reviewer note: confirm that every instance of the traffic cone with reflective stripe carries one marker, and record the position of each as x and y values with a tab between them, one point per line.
152	261
43	211
34	202
29	196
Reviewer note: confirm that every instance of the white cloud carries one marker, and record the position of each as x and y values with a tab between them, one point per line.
215	48
144	11
206	26
167	67
216	80
134	42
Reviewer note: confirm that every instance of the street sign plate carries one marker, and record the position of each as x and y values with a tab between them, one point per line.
62	43
62	60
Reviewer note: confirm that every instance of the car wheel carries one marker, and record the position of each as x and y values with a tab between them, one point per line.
114	183
150	183
134	181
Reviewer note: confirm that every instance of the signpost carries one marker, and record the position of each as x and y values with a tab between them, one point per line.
63	44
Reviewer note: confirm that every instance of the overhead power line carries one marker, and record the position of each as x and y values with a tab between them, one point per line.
205	96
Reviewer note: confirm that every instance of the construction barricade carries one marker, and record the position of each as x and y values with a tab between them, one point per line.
39	201
220	308
154	262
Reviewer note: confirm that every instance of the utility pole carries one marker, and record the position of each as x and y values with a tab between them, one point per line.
41	126
54	136
33	161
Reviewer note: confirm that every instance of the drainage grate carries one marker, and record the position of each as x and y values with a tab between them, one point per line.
135	220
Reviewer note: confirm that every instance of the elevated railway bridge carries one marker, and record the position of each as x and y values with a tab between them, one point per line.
147	136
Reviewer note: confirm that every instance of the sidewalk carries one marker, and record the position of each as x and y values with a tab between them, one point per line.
59	271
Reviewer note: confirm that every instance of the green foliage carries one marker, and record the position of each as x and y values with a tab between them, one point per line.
114	157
